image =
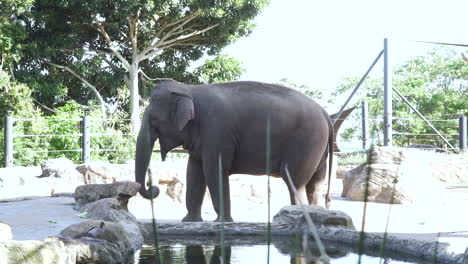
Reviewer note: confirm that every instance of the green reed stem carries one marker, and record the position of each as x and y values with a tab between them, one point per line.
312	229
362	235
268	172
157	259
384	240
435	259
221	208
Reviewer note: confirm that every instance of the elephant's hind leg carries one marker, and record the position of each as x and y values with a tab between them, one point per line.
298	193
313	187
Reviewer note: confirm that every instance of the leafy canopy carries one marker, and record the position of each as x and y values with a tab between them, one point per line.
168	35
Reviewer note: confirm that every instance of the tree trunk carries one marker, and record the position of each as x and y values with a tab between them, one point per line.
134	98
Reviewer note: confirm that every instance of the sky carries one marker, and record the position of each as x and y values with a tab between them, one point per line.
317	43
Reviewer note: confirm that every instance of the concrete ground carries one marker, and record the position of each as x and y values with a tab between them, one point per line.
36	218
39	217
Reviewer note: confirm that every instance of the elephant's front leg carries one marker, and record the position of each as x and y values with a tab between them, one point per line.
196	189
211	168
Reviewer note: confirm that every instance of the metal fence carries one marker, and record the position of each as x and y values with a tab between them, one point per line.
84	130
79	139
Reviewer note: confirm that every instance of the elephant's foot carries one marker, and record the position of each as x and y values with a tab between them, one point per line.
192	218
226	219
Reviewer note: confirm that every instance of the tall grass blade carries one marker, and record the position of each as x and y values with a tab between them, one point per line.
435	259
312	229
384	240
221	209
362	235
157	259
268	172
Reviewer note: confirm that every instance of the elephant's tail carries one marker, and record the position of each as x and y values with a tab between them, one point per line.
331	145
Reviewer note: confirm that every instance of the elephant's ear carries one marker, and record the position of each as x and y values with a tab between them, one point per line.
184	109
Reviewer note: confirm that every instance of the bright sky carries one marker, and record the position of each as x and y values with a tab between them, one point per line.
317	43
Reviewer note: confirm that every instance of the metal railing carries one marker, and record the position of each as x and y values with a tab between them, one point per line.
85	134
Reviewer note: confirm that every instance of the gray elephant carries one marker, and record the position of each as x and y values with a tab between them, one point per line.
228	122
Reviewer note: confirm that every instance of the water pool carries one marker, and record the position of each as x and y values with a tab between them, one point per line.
245	251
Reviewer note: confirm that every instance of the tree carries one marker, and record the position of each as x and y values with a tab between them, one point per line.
12	32
436	84
101	41
220	69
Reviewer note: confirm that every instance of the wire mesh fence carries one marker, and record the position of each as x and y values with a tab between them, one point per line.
31	141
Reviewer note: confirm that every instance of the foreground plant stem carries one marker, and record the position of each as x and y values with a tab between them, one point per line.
157	259
221	209
312	229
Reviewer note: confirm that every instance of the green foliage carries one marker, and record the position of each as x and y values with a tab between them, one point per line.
436	84
12	32
220	69
64	126
66	33
17	102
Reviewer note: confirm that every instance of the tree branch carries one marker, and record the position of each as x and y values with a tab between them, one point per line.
183	21
154	79
172	42
92	87
103	32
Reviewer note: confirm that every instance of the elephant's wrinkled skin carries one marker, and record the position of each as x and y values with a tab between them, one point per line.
229	120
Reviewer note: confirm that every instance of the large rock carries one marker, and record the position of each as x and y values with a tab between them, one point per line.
88	250
396	175
293	217
104	172
112	224
108	209
5	232
61	175
92	192
50	251
112	232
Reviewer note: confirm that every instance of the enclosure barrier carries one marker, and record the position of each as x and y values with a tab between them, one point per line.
85	134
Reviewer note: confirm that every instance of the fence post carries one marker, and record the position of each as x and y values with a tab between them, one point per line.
86	140
387	97
365	124
462	131
9	141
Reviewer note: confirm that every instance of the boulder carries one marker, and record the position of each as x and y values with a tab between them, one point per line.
92	192
100	172
108	209
342	169
88	250
293	217
61	175
5	232
112	232
50	251
112	224
395	175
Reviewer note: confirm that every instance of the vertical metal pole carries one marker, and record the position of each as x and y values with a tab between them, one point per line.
387	97
86	140
462	133
365	124
9	141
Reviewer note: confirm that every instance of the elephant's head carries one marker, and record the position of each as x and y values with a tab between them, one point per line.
165	118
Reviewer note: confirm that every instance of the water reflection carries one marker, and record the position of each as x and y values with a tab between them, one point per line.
187	254
177	251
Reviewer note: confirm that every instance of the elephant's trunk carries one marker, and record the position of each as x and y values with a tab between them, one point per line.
144	149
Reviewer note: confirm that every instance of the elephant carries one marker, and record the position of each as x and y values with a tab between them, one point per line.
225	125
